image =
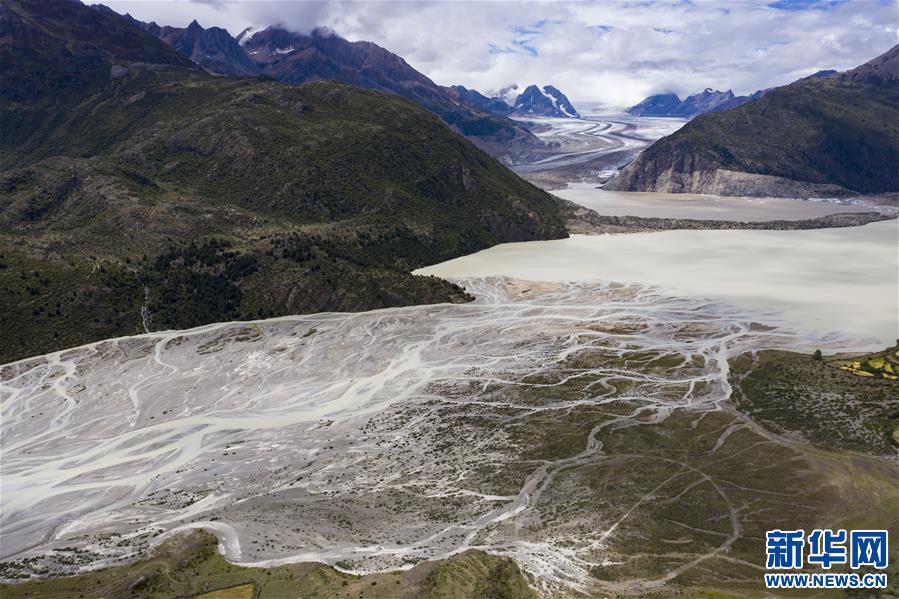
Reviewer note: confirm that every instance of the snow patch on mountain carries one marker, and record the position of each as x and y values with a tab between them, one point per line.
244	36
508	94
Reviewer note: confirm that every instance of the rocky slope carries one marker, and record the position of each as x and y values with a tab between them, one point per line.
46	60
740	100
213	49
158	196
475	98
705	101
737	101
296	58
830	135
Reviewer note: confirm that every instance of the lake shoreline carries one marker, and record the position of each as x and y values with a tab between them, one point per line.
799	279
585	221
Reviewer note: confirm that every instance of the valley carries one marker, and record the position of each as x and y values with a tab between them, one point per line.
391	437
266	340
822	136
590	148
578	418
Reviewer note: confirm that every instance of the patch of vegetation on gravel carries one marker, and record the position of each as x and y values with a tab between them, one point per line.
820	400
188	565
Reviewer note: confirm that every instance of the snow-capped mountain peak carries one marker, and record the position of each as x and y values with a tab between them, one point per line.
507	94
545	101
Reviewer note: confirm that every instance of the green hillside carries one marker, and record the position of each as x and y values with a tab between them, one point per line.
195	199
839	131
188	566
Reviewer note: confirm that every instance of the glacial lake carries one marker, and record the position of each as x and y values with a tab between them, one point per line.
683	205
833	284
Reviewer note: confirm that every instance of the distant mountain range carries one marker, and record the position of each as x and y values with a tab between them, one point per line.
533	101
824	135
671	105
709	100
138	191
298	58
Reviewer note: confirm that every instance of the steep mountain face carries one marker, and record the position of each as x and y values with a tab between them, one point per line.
546	101
656	105
474	98
826	135
213	49
883	71
672	106
165	197
297	58
53	53
47	49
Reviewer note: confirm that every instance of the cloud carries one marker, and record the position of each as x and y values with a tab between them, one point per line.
615	52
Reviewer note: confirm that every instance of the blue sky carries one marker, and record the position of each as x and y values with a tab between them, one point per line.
614	52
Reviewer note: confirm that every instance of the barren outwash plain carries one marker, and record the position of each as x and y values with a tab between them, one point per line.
555	439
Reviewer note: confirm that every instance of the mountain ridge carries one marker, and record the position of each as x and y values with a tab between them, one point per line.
296	58
164	197
475	98
709	100
212	48
670	105
830	135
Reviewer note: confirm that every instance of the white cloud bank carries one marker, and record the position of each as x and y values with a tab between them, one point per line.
613	52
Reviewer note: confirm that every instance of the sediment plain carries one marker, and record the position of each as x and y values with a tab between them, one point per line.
584	430
612	428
